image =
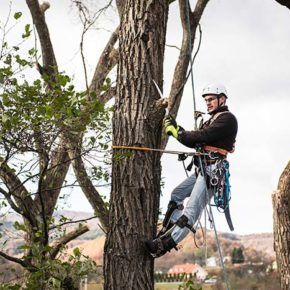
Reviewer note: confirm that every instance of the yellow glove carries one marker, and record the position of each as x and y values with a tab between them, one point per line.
171	127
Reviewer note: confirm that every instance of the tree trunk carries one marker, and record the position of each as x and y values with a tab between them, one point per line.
281	208
137	121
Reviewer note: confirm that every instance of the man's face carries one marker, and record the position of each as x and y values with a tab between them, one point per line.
211	102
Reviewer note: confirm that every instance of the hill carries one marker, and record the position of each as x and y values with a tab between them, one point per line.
256	247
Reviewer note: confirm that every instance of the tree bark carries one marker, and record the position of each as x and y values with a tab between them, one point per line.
281	209
137	121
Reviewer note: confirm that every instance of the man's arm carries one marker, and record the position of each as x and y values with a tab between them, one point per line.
223	126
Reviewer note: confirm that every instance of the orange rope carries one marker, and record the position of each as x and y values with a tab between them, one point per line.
147	149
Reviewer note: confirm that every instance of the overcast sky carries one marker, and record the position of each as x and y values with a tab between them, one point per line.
245	46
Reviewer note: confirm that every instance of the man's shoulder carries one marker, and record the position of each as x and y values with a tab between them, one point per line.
225	114
225	117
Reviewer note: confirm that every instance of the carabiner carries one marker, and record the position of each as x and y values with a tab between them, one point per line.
214	181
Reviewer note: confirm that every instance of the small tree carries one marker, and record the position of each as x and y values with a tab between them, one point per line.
42	132
237	256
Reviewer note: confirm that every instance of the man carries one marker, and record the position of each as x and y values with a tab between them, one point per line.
216	137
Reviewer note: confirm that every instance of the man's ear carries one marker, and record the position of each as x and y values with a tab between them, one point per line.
223	100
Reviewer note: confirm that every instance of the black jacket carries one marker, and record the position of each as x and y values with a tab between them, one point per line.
220	133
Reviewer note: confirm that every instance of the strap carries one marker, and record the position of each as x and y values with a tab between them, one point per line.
215	116
215	150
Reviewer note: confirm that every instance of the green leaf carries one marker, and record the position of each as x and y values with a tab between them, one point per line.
27	32
17	15
32	51
77	252
8	59
20	227
5	118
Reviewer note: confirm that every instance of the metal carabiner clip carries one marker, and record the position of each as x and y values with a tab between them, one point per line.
212	155
214	181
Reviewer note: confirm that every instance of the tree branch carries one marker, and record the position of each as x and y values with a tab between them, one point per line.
24	264
72	222
54	178
86	184
108	95
49	61
67	238
179	76
19	192
107	61
11	202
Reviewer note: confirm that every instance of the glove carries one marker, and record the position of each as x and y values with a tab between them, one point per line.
171	127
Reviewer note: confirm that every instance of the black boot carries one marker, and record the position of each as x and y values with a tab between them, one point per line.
158	247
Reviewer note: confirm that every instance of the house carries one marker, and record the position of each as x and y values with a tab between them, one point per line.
188	268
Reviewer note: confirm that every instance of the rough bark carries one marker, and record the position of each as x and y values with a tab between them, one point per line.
135	191
281	210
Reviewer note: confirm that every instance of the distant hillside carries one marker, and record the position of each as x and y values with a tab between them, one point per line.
257	247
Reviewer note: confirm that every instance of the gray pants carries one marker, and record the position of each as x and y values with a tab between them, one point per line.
194	188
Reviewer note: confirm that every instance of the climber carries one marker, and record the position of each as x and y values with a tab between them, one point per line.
216	137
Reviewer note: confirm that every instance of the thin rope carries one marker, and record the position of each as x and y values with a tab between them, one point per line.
199	157
191	62
147	149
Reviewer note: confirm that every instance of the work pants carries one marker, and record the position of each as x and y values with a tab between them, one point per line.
193	187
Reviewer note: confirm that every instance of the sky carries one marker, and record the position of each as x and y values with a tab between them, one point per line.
245	46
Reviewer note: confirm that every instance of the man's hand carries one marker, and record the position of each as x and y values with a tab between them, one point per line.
171	127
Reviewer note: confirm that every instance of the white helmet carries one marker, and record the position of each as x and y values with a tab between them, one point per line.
215	89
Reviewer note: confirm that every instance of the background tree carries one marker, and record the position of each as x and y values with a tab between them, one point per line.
42	132
237	256
281	215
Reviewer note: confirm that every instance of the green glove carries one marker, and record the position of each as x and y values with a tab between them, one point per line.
171	127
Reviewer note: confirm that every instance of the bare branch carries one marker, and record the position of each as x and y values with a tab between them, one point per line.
179	77
73	222
184	56
107	61
16	187
49	61
174	46
11	202
86	184
107	96
24	264
67	238
54	178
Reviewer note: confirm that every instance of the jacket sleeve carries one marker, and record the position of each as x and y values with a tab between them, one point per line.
222	127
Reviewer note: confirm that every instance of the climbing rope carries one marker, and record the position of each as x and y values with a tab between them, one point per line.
147	149
199	157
